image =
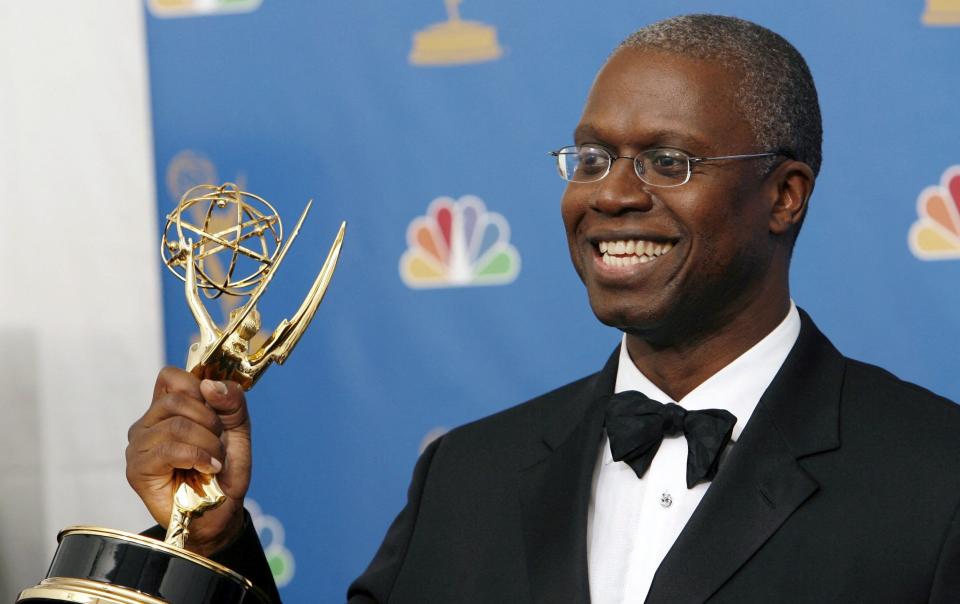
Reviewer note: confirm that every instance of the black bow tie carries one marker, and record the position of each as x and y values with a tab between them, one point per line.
636	426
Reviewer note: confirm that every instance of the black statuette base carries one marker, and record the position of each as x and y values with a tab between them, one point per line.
103	566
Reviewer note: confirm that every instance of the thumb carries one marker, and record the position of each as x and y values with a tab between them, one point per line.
228	401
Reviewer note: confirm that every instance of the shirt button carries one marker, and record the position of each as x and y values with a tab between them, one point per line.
666	500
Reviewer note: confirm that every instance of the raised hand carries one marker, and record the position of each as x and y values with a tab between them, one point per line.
193	424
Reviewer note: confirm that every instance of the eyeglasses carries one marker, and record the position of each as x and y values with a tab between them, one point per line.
661	167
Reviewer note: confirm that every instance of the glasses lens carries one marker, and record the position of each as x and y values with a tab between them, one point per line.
663	167
585	163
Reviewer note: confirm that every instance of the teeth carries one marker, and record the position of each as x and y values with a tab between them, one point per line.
635	251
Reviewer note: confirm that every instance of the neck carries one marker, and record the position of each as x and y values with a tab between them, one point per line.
679	363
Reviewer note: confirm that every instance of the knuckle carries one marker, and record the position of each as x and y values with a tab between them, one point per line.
171	402
171	373
161	379
167	376
164	452
213	422
177	455
132	431
197	455
174	379
180	427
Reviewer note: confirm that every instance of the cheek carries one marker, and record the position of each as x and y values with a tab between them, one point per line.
732	237
571	210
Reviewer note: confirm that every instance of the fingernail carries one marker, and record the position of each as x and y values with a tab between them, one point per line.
216	465
221	387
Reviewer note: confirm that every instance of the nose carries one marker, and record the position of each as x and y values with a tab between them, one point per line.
621	190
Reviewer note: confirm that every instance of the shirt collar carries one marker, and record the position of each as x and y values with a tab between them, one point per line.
737	387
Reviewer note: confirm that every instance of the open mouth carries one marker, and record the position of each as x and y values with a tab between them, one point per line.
634	251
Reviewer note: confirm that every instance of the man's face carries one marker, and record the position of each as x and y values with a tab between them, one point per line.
714	228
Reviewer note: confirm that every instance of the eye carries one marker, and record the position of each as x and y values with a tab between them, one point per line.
592	159
667	162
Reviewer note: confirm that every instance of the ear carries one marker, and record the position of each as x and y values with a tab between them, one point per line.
794	181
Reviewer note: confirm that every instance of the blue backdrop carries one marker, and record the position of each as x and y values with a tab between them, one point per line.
445	311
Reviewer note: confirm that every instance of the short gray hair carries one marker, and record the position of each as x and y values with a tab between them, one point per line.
776	93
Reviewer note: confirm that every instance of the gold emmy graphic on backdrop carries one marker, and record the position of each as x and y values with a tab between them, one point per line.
942	12
95	565
455	41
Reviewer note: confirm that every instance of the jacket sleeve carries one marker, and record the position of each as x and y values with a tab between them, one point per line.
244	556
376	583
946	579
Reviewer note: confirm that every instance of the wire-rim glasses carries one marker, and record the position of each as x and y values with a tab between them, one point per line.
658	167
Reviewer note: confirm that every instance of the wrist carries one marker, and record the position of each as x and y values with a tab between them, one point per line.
208	547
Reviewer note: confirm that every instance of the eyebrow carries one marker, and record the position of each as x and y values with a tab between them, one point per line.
585	131
663	137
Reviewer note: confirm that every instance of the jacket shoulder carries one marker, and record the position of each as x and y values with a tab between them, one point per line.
869	380
900	410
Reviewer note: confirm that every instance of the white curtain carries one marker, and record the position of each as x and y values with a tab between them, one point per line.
80	322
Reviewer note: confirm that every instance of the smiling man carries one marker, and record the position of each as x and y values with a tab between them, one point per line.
685	243
726	452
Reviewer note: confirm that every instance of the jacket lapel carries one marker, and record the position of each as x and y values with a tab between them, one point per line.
761	483
555	492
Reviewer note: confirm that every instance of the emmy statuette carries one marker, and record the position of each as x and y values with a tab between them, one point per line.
103	566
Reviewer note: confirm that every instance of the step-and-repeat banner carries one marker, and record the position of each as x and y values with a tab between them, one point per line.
426	126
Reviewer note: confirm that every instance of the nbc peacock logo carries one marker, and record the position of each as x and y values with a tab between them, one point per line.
190	8
458	243
936	233
271	535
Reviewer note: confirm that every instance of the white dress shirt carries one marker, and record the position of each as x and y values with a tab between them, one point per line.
632	523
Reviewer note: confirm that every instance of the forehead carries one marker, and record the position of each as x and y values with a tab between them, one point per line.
645	97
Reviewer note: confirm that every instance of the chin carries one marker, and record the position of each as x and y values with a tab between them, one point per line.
634	319
662	322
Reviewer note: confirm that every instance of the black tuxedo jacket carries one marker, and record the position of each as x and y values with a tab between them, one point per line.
843	487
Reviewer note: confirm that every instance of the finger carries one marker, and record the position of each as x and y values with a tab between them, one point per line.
168	456
235	476
176	404
227	400
174	379
181	430
177	392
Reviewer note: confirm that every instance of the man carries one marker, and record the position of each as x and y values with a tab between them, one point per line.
779	472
